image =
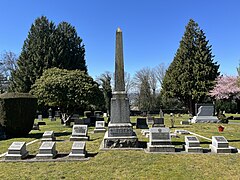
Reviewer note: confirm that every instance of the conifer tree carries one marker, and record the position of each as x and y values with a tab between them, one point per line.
192	73
45	47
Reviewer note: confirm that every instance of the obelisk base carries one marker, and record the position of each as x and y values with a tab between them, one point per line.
120	135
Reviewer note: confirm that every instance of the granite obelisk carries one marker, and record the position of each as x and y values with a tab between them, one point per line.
120	132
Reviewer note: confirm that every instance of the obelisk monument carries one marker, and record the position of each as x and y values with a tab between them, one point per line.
120	132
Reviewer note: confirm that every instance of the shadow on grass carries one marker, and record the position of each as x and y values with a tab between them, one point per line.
177	143
205	142
62	134
91	154
238	140
142	144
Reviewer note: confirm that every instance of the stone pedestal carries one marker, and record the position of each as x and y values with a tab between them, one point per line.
99	127
47	151
220	145
78	150
192	145
48	136
160	140
79	133
17	151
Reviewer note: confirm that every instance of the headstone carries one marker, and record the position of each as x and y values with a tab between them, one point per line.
220	145
35	127
79	121
160	140
150	120
184	122
158	122
192	144
205	115
47	150
50	113
79	133
57	113
181	131
161	113
74	117
17	151
48	136
99	127
40	117
141	123
86	121
120	132
78	150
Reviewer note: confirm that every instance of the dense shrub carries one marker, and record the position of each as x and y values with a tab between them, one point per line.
17	113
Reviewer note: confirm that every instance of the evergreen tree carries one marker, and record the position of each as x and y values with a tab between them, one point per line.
45	47
192	73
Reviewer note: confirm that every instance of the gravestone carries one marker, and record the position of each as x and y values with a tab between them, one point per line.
16	151
40	117
205	115
78	121
86	121
120	132
160	140
48	136
78	150
192	144
185	122
219	145
141	123
74	117
47	150
158	122
79	133
150	120
99	127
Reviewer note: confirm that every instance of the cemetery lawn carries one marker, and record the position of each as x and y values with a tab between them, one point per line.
128	164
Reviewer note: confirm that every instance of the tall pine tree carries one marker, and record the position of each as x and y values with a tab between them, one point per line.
192	73
47	46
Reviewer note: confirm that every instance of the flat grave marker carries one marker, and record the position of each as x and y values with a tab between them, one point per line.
16	151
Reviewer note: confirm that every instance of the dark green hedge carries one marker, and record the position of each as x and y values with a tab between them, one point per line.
17	113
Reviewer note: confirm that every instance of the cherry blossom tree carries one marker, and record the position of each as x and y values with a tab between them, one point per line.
226	88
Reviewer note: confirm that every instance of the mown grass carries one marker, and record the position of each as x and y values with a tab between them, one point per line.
127	164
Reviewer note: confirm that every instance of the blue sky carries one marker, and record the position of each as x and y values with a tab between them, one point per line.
151	29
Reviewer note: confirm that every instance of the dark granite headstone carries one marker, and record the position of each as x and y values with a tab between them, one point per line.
141	123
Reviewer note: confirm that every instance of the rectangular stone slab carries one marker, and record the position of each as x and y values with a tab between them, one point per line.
219	142
79	130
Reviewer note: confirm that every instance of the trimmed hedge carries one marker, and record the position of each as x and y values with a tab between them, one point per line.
17	113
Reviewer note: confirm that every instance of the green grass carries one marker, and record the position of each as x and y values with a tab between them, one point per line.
127	164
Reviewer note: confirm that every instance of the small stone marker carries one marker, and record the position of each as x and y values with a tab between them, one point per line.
99	127
192	144
150	120
141	123
47	150
184	122
158	122
79	133
16	151
48	136
181	131
40	117
160	140
78	150
219	145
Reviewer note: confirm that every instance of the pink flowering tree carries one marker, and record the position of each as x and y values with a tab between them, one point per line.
227	93
226	88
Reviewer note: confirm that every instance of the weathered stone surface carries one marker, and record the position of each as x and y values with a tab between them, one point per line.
17	151
78	150
219	145
205	115
158	122
79	133
192	145
99	127
120	132
48	136
47	150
